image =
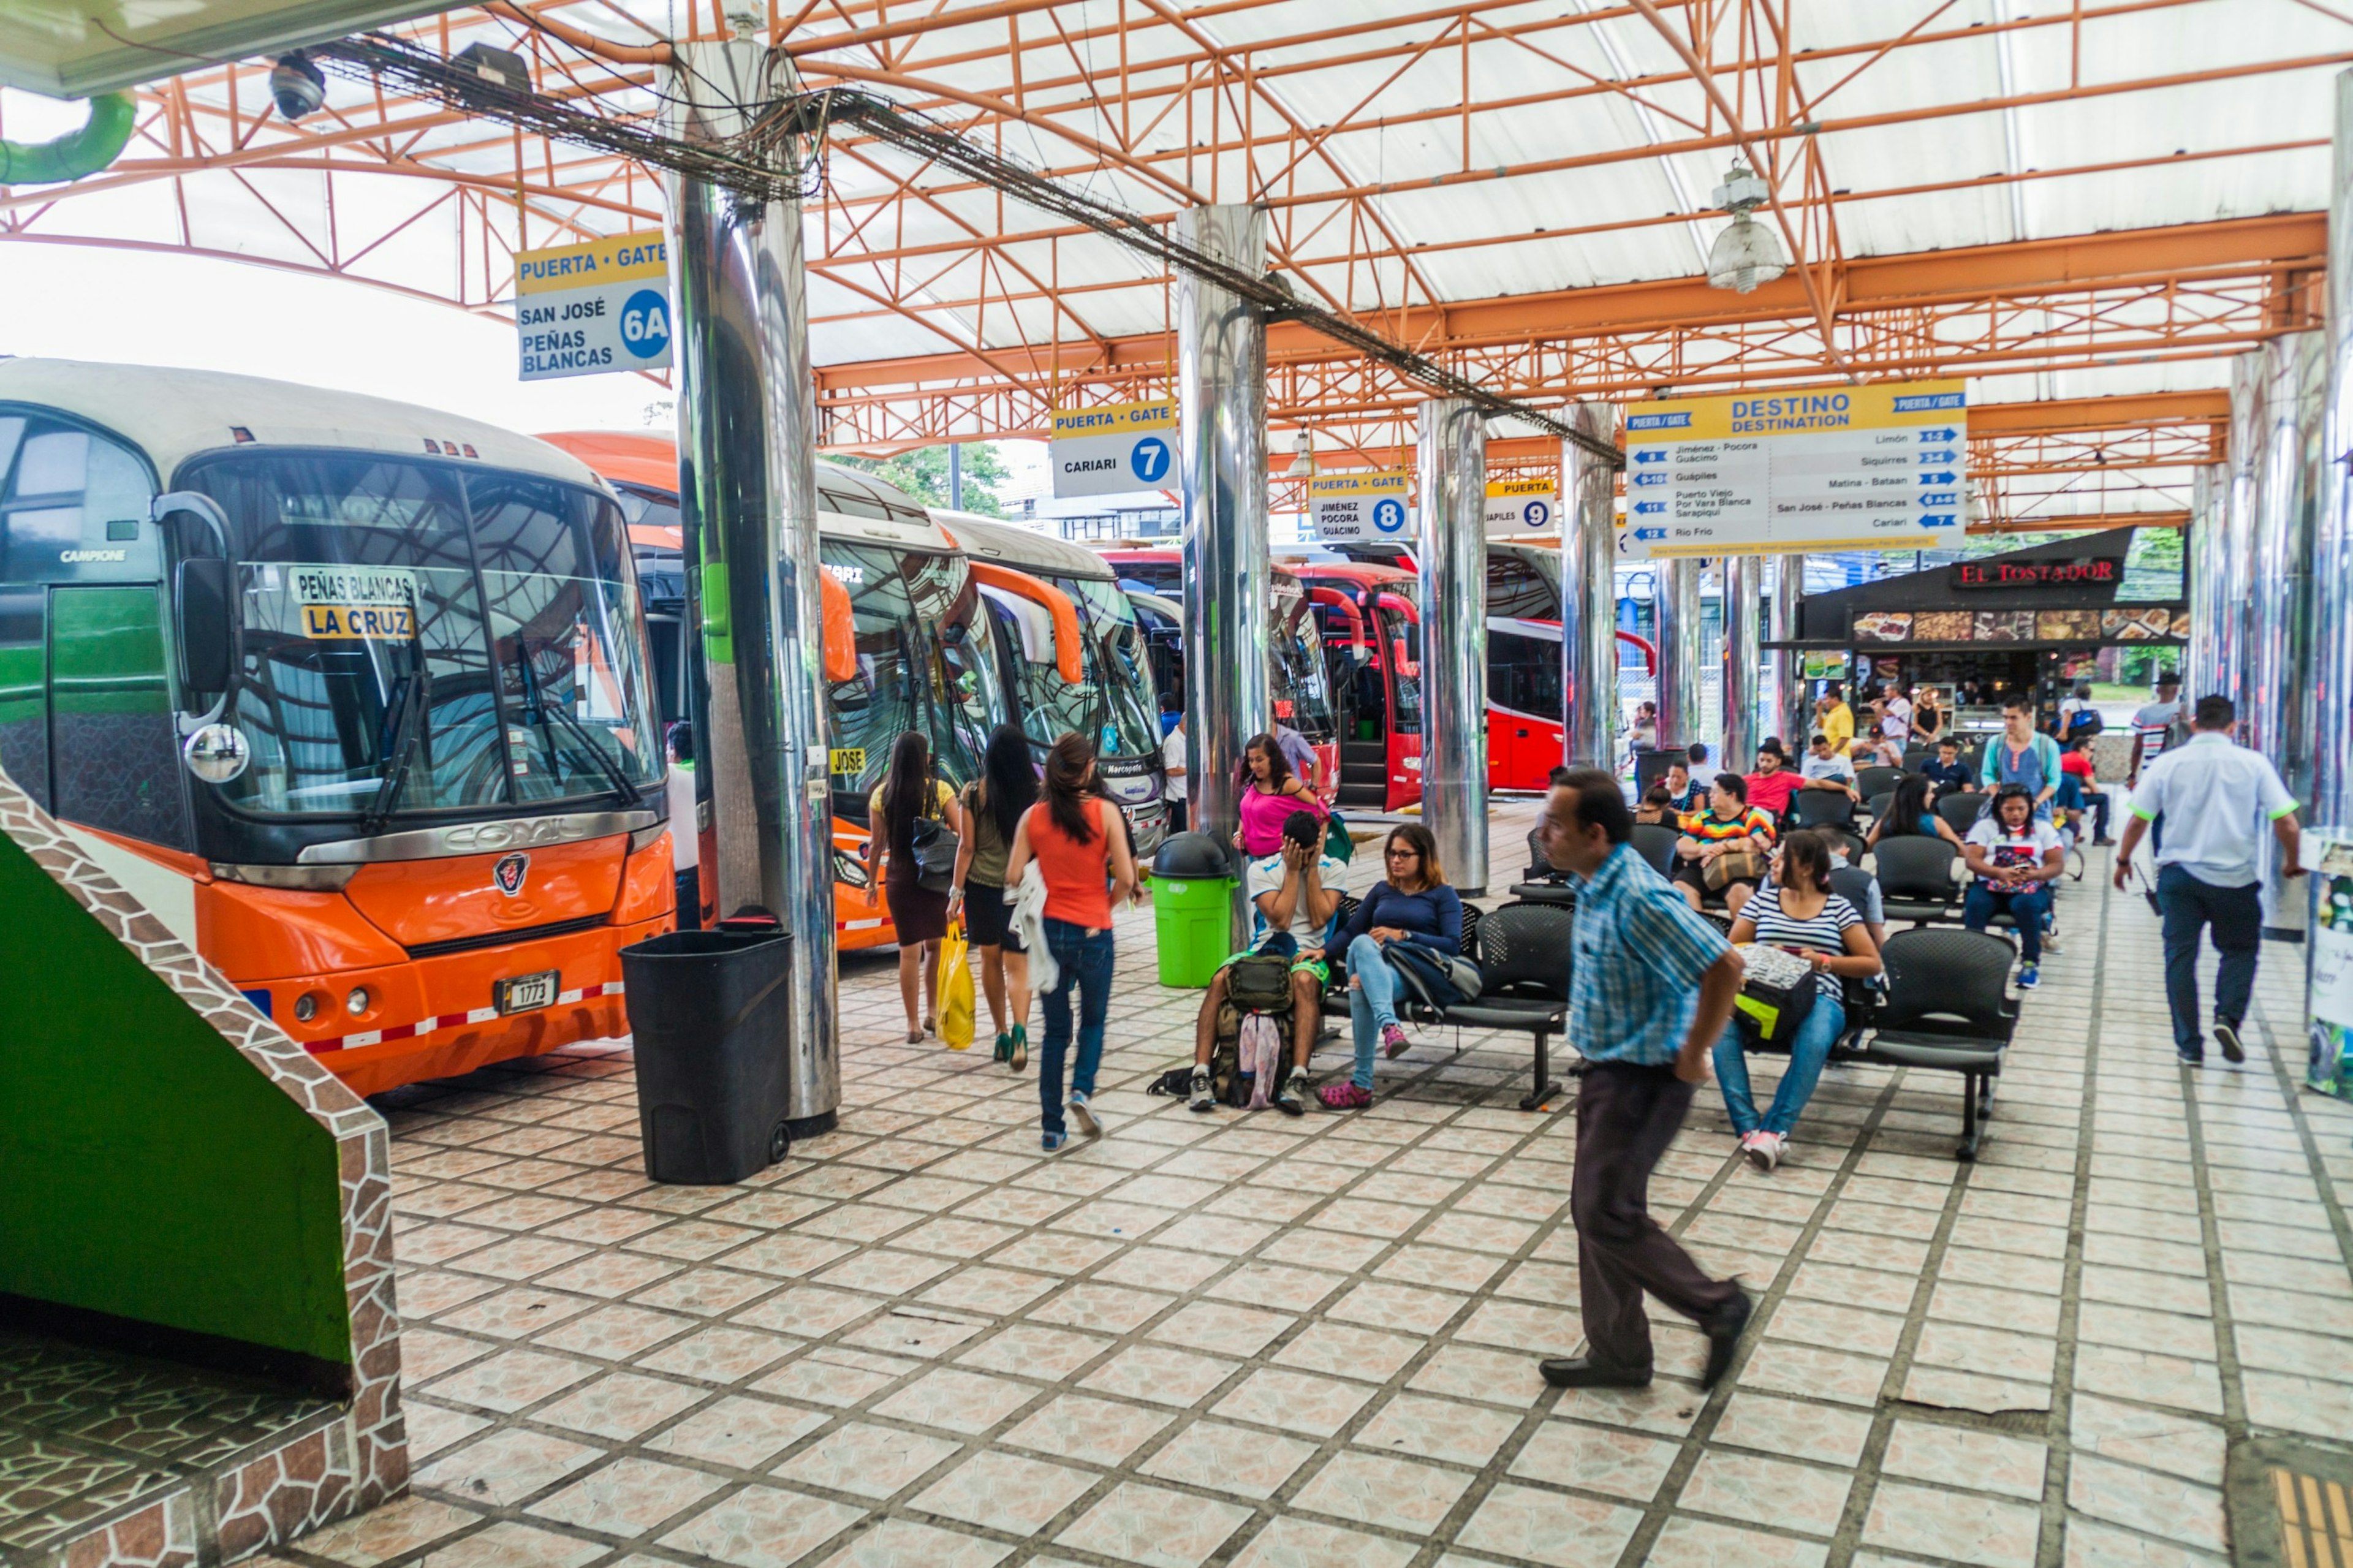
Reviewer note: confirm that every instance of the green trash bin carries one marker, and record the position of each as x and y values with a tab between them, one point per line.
1192	909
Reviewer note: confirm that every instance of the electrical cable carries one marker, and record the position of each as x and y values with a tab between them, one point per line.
782	157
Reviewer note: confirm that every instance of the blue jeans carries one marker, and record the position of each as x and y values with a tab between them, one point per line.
1372	1002
1085	961
1808	1052
2236	917
2026	906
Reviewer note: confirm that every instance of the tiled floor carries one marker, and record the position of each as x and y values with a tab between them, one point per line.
1250	1339
88	1436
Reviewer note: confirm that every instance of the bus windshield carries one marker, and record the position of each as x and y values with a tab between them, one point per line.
1297	689
923	664
1113	703
421	637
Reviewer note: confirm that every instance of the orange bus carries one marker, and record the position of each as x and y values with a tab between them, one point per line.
352	694
909	646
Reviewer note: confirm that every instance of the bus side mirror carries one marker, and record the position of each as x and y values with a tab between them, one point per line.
201	598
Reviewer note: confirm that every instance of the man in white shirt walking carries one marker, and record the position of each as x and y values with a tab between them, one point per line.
2218	798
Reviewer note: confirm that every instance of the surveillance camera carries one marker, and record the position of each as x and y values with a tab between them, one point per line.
299	86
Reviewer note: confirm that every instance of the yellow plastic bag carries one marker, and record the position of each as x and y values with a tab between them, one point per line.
956	992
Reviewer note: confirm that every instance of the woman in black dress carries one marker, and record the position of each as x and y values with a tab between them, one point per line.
910	793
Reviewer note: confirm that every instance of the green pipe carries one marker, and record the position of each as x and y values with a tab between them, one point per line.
75	153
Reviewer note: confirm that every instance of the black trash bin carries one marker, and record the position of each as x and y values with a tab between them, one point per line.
711	1011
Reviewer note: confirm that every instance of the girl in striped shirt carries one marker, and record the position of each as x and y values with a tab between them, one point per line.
1796	911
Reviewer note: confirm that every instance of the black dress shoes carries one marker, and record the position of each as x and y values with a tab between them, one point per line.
1584	1372
1723	1328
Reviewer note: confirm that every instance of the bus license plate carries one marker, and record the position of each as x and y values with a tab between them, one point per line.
525	992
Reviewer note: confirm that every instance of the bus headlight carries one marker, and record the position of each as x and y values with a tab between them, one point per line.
357	1002
306	1006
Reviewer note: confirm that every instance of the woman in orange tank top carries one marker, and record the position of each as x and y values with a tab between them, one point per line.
1076	839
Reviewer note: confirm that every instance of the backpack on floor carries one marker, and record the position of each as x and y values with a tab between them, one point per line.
1259	1053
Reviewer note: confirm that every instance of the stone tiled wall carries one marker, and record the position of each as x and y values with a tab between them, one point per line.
364	1460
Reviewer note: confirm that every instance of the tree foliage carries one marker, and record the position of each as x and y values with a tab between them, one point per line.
923	474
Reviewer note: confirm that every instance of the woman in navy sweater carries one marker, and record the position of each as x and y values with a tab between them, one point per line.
1413	905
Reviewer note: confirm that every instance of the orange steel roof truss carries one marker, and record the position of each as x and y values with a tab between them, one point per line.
1522	196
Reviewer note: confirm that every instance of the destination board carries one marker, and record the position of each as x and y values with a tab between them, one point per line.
1358	507
1856	467
586	310
1115	448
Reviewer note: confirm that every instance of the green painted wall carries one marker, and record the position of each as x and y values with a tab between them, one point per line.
146	1168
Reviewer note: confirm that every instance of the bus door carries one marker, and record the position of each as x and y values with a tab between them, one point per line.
1400	628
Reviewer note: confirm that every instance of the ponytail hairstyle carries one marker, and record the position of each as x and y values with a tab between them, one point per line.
906	785
1805	859
1278	766
1009	780
1910	804
1068	761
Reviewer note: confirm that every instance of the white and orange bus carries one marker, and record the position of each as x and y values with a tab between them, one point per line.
352	694
908	640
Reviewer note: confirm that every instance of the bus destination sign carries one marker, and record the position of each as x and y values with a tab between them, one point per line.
1880	467
586	310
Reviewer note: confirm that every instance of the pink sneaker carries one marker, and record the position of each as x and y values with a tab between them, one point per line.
1764	1150
1393	1041
1345	1096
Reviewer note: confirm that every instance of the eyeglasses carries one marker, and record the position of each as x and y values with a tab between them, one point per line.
1404	852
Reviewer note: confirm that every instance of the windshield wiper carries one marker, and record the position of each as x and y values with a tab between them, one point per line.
407	730
535	707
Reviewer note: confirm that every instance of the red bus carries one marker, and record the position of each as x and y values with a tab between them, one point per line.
1528	711
1371	620
1298	684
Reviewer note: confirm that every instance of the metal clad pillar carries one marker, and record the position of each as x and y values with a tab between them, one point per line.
1792	717
747	491
1221	434
2210	529
1451	458
1588	593
2250	389
1743	607
1676	601
2277	717
2332	600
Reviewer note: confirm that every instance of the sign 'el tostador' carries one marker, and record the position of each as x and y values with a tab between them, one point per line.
1851	467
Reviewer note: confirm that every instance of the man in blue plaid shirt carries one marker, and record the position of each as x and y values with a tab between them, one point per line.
1650	991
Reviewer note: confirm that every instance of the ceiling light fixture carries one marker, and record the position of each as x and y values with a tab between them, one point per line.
1302	458
1746	254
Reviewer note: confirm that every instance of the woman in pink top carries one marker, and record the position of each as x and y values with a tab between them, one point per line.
1270	794
1074	836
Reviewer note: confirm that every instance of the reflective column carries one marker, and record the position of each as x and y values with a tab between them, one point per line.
1675	600
1451	460
2204	558
2332	606
1743	608
748	494
1589	592
1222	434
2250	390
1792	717
2277	716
